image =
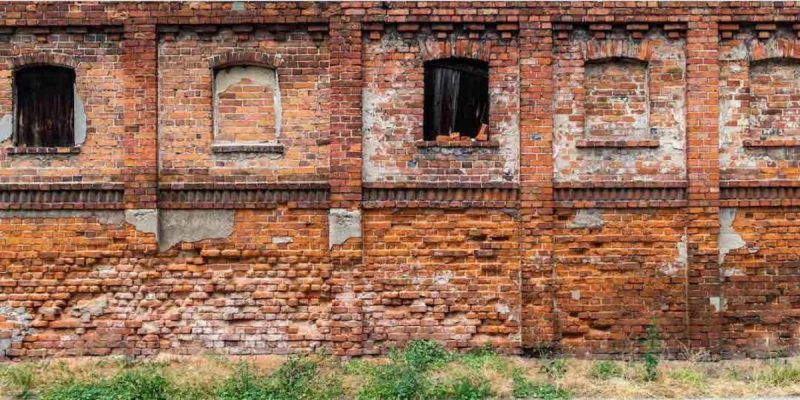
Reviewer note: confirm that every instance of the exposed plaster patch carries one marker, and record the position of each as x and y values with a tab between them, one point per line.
719	303
575	295
729	239
104	217
727	272
282	239
86	309
6	127
587	218
193	225
144	220
79	122
15	327
376	128
343	224
502	308
443	278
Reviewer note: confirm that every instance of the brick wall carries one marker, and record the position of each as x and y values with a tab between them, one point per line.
252	178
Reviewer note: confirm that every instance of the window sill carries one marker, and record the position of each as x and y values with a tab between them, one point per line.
616	144
42	150
468	143
268	148
772	143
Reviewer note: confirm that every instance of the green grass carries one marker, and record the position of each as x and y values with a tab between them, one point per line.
420	370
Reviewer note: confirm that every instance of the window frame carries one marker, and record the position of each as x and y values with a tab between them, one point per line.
467	67
67	140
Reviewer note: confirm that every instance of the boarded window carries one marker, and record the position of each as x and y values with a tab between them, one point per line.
44	114
456	97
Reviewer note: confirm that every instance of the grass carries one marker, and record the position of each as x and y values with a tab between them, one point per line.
421	370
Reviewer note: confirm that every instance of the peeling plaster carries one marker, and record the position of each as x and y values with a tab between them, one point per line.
144	220
443	278
282	239
176	226
587	218
343	224
6	127
104	217
17	325
729	239
719	303
79	121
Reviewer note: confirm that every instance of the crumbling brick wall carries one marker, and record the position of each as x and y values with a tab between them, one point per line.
252	178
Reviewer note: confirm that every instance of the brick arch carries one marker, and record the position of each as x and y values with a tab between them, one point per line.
233	58
783	48
475	49
54	59
595	50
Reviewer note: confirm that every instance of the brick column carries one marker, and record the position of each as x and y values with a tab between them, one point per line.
536	184
140	114
702	133
344	219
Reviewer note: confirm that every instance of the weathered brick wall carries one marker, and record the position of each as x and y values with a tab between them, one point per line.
640	169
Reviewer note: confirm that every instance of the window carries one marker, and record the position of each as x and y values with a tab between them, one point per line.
456	97
44	107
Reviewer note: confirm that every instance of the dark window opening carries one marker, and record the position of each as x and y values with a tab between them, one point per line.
456	97
44	112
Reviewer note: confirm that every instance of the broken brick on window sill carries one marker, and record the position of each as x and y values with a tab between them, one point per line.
268	148
772	143
465	142
42	150
617	144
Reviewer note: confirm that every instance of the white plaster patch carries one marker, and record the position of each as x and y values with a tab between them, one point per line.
575	295
282	239
443	278
343	224
177	226
502	308
719	303
729	239
587	218
6	127
144	220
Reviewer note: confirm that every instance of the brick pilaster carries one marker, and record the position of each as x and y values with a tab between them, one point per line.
702	133
536	184
140	115
347	330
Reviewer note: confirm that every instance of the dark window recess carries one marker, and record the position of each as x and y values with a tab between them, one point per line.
456	97
44	98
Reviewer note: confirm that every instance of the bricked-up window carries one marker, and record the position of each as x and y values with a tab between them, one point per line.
775	101
44	106
246	104
456	97
616	98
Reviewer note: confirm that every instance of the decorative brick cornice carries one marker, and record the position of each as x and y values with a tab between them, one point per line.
61	196
257	195
620	194
759	193
422	195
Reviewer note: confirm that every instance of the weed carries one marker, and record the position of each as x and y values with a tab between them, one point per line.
463	388
687	376
652	351
143	383
484	356
242	384
525	389
21	378
424	354
605	370
780	373
555	368
395	381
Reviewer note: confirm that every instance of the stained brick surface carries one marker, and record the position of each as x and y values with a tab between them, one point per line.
640	169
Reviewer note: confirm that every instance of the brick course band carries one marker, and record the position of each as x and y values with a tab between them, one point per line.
254	180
